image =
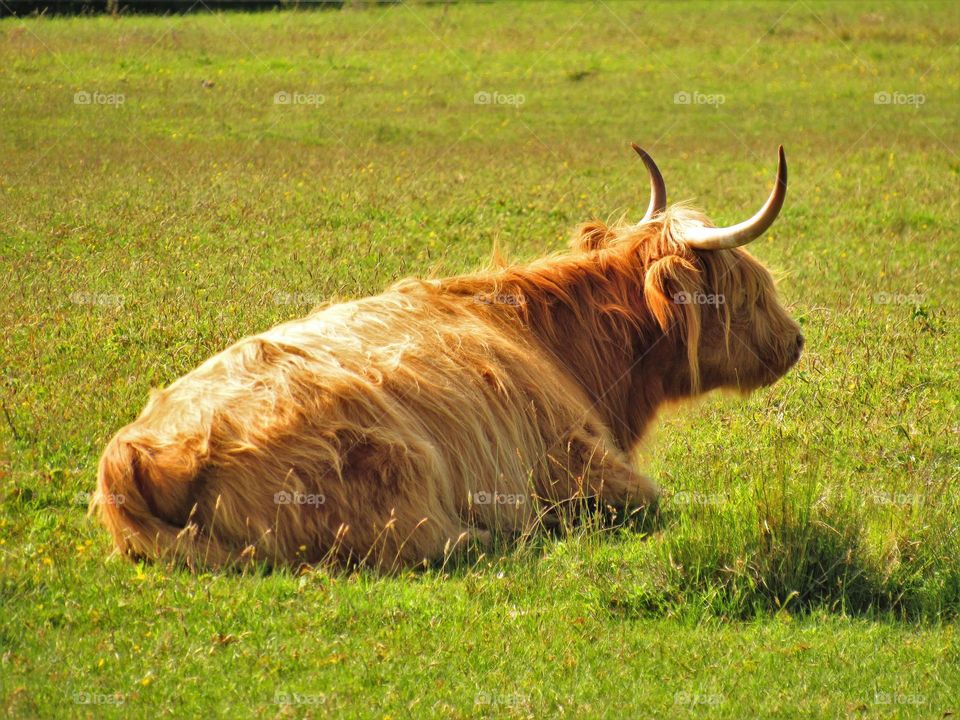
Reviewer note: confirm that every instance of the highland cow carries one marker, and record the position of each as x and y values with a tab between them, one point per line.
393	429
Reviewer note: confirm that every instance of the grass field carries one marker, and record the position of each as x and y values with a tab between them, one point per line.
159	200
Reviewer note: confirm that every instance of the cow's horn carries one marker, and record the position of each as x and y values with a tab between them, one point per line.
658	191
707	238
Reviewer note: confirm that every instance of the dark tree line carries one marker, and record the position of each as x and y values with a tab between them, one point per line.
23	8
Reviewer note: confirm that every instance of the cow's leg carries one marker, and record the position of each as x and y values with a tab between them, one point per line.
590	467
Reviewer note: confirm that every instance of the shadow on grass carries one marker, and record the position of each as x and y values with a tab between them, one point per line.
797	563
660	562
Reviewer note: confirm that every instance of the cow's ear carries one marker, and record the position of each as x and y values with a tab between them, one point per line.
671	288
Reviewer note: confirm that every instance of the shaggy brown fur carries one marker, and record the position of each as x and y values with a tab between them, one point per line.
390	429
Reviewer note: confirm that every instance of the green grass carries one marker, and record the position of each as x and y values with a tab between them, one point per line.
806	560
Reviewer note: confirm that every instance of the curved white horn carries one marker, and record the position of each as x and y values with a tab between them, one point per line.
707	238
658	190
